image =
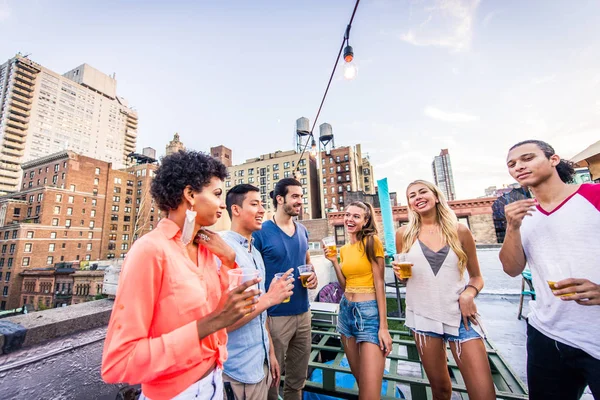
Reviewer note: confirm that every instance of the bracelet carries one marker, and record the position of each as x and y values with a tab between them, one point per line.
474	287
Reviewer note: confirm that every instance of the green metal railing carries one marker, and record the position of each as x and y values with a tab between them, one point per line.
508	385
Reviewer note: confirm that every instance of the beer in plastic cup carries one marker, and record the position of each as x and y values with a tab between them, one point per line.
279	275
238	276
329	243
403	266
552	285
305	272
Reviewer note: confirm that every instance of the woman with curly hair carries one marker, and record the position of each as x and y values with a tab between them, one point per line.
440	305
167	330
362	321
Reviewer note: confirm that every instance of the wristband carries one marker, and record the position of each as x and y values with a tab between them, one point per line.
474	287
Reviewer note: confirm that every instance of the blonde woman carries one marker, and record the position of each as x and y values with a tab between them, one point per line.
362	321
440	303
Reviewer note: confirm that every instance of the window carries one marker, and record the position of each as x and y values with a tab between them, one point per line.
29	234
51	247
30	200
12	249
286	174
88	247
337	158
341	199
52	235
275	176
25	262
64	245
27	248
250	171
348	188
124	246
96	181
345	157
127	209
330	160
71	200
117	190
68	223
56	209
40	196
115	208
58	198
117	181
125	237
340	238
3	248
92	224
37	210
49	260
9	263
63	176
90	235
275	167
94	202
97	172
93	213
286	164
14	234
72	187
5	291
116	199
1	262
69	210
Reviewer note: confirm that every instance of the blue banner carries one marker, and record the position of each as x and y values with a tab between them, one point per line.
389	231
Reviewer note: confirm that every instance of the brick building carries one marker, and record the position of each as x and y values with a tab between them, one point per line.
87	285
344	170
69	209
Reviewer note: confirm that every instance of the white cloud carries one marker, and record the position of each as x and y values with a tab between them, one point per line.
445	116
452	25
5	12
543	79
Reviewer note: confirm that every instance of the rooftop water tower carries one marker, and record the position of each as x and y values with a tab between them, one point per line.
326	137
302	133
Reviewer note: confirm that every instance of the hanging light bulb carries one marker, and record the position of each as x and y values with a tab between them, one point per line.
350	70
313	148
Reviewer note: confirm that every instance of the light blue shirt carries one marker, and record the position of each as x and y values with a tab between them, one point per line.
248	346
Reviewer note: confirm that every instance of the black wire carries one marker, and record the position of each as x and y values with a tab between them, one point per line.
337	59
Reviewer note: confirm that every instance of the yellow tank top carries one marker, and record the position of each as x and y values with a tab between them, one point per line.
356	266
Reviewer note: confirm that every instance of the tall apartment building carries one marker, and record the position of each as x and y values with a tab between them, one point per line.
442	174
174	145
43	112
344	170
266	170
62	214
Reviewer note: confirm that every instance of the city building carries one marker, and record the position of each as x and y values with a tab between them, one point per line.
442	174
344	170
222	154
87	285
130	212
42	112
72	209
266	170
174	145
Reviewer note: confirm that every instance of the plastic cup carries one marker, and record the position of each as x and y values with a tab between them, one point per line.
239	275
403	266
279	275
329	243
305	271
556	274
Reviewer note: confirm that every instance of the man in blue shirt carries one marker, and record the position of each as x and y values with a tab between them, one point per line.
283	244
251	365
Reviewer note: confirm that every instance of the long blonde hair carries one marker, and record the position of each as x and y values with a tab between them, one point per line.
444	216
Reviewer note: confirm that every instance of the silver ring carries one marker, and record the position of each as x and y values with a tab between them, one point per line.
204	237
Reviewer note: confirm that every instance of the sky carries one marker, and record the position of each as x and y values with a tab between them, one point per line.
473	76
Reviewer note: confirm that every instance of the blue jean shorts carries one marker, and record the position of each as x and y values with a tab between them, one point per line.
359	320
464	335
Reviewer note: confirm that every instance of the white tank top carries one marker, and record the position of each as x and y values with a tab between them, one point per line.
433	290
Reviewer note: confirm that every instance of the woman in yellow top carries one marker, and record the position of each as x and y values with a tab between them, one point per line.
362	320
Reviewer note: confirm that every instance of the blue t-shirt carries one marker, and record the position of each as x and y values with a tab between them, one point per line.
281	252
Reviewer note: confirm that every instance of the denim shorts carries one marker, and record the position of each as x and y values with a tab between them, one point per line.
463	334
359	320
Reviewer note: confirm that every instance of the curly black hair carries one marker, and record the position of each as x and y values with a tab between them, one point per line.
181	169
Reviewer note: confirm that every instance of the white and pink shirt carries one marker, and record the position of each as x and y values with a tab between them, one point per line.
567	240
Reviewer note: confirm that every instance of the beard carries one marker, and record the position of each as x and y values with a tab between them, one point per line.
289	210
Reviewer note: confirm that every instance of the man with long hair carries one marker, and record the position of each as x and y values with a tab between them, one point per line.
283	244
557	235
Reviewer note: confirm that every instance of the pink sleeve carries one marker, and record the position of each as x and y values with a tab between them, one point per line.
130	355
591	192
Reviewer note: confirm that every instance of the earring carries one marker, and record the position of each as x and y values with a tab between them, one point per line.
188	226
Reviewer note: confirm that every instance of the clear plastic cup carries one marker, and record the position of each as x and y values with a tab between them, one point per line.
305	271
279	275
403	266
238	276
329	243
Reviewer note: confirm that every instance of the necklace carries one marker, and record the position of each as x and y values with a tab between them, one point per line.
433	230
